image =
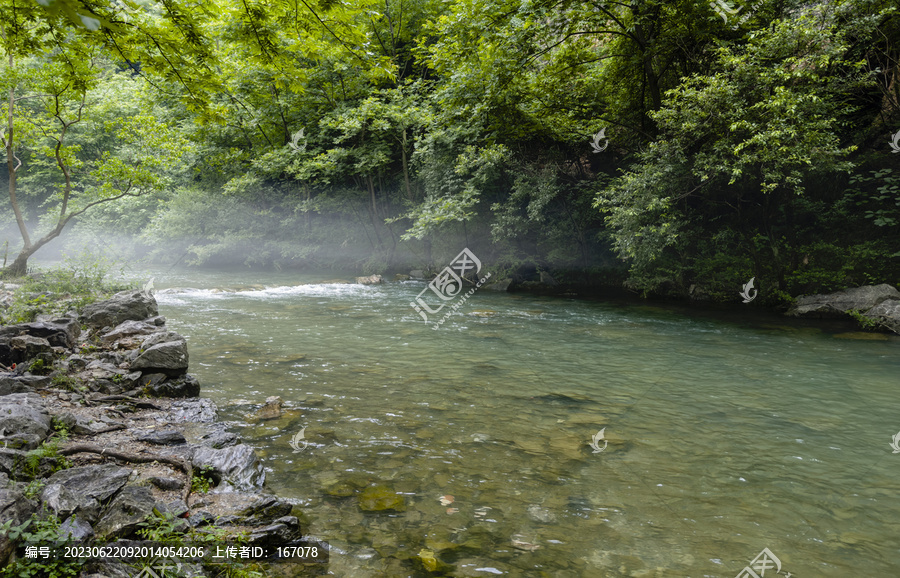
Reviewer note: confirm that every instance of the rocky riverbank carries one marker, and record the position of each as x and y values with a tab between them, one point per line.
104	438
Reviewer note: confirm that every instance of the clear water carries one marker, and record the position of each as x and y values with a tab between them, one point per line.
725	433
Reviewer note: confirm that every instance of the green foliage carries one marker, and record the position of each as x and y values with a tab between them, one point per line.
864	322
49	448
202	480
41	529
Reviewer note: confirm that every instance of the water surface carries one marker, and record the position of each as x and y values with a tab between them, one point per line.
723	433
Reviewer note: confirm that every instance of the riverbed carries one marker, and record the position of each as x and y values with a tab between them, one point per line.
552	436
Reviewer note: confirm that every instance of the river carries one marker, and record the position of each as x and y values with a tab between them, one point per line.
721	433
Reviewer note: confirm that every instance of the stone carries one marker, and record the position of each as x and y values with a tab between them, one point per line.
370	280
417	274
170	358
381	498
129	328
500	285
266	509
219	438
23	417
195	410
75	529
28	347
15	508
283	530
184	386
166	483
886	314
123	306
14	463
61	332
12	383
837	304
271	410
82	489
131	506
543	515
238	466
164	437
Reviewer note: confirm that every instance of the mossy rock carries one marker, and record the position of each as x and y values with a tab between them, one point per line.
381	498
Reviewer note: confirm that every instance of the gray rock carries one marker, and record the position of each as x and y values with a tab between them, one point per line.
82	489
238	466
283	530
170	358
159	320
196	410
166	483
370	280
29	346
62	332
837	304
77	362
16	508
266	509
14	463
161	337
417	274
887	314
133	305
219	438
129	328
184	386
164	437
12	383
201	518
23	417
75	529
123	516
501	285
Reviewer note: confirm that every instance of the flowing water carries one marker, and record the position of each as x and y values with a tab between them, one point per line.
722	433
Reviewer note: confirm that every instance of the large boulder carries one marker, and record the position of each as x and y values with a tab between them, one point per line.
16	508
24	422
12	383
82	489
237	466
62	332
133	505
133	305
887	314
164	352
370	280
839	303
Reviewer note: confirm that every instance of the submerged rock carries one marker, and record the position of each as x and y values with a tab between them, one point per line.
381	498
271	410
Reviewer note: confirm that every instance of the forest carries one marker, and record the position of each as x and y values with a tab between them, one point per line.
673	148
